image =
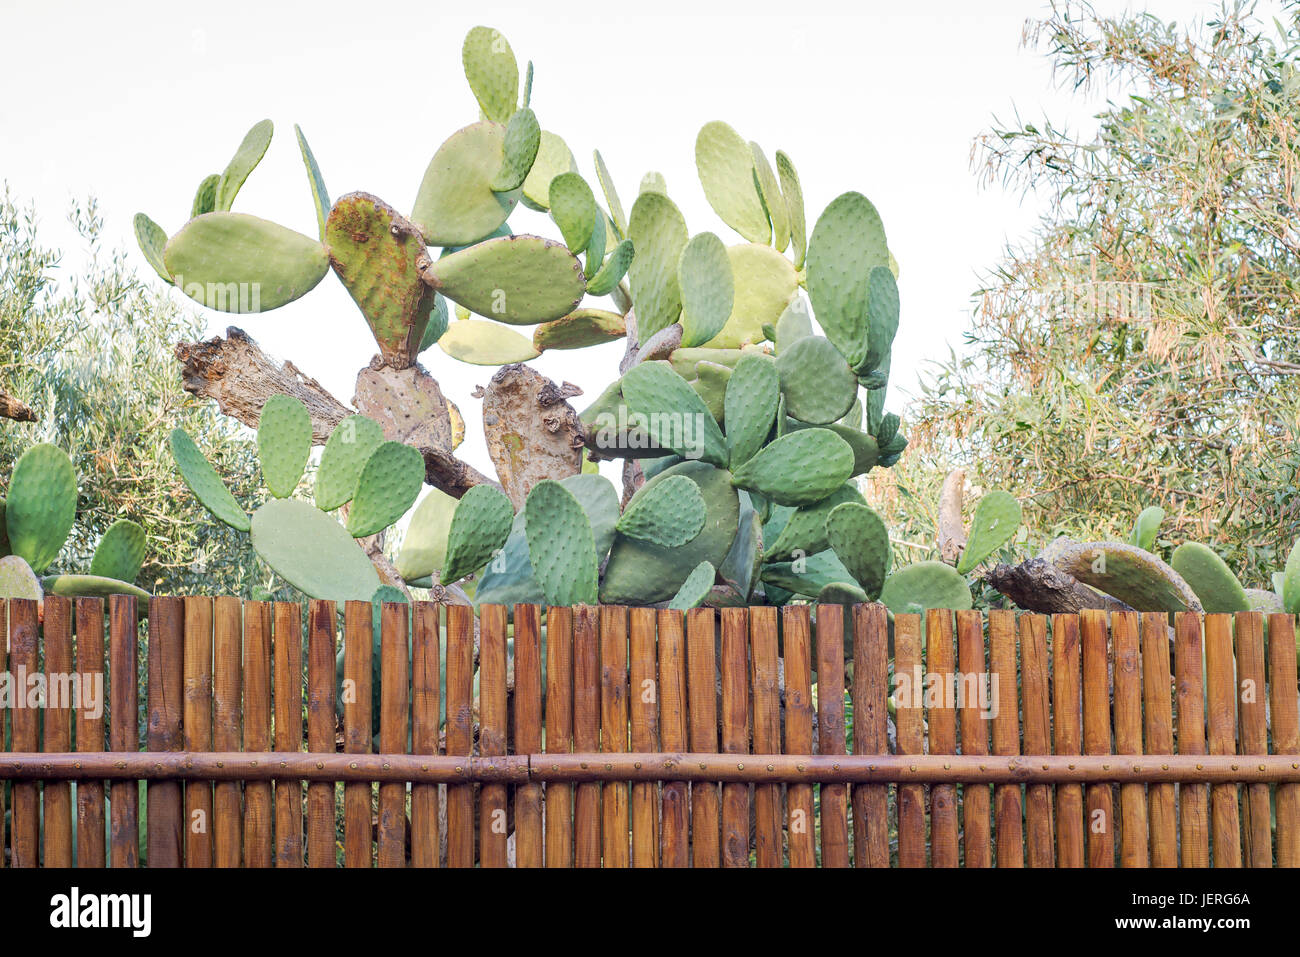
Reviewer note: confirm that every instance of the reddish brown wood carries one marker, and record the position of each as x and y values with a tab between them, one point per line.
1159	724
90	730
1193	799
286	642
1286	731
25	663
1040	831
586	731
909	720
559	733
701	678
166	690
644	703
321	720
796	637
4	720
767	732
493	830
426	709
1100	803
227	728
257	730
870	732
1252	699
394	725
675	843
197	727
943	733
358	649
1128	736
1221	694
975	693
615	831
460	732
124	731
734	673
1067	737
528	731
57	715
1008	830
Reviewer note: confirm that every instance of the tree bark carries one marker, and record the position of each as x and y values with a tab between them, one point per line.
1038	585
952	533
11	408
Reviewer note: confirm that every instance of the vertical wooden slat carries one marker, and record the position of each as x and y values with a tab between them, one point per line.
286	643
1222	700
1158	722
358	728
1100	817
767	732
90	731
197	726
1128	736
909	721
528	731
943	734
644	704
831	732
586	732
57	715
1286	731
976	693
701	677
426	708
870	731
797	650
227	641
1193	799
321	719
1068	735
1008	829
492	732
394	722
257	730
460	732
559	733
613	731
1254	734
166	690
1040	831
25	662
124	727
4	720
733	668
676	838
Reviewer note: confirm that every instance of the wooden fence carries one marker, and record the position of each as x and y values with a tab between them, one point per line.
621	736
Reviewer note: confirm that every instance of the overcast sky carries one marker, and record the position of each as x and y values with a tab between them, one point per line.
134	102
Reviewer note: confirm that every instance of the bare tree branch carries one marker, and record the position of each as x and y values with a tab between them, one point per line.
952	533
11	408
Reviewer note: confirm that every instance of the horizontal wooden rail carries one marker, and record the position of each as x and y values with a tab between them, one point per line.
650	766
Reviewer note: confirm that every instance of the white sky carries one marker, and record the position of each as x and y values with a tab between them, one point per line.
135	102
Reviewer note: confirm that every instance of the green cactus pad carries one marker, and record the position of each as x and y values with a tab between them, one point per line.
659	232
377	254
1264	601
483	343
283	443
914	589
424	547
523	138
695	589
41	506
437	324
518	280
91	586
389	484
205	483
653	182
1291	581
793	194
847	243
205	197
640	572
611	195
804	529
801	468
312	552
795	324
17	580
1136	577
1209	577
4	532
710	384
807	575
677	418
997	516
707	293
751	397
561	546
765	283
492	72
247	156
773	201
595	252
320	197
120	552
686	361
456	204
740	569
1147	527
152	241
612	271
818	385
842	593
669	513
480	526
573	207
233	262
726	167
579	329
346	451
860	540
882	317
553	158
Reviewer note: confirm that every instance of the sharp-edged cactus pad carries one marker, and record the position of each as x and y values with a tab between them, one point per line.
479	528
41	506
668	513
798	469
514	279
561	546
205	483
346	451
120	552
675	416
861	542
389	484
695	589
284	435
312	552
997	516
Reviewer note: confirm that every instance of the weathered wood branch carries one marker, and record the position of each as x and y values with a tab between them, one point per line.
952	533
1038	585
11	408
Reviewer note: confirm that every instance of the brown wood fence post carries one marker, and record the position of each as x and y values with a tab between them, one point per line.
394	722
528	731
58	728
1193	799
675	842
734	675
90	730
165	702
1253	697
559	733
257	730
1100	817
124	730
227	734
1128	736
460	732
286	644
492	832
197	727
870	731
643	700
973	673
943	734
321	722
909	721
613	732
767	733
1009	831
358	651
800	823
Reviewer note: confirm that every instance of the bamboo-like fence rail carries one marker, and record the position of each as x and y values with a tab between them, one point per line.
613	736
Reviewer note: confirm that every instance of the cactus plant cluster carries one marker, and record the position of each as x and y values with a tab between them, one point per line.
36	517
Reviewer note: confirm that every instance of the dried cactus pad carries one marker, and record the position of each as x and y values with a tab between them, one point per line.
1136	577
456	204
17	580
1209	576
669	513
997	516
492	72
284	436
205	483
346	451
312	552
388	486
377	252
847	243
861	542
695	589
42	505
518	280
798	469
91	586
561	546
233	262
916	588
480	526
120	552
